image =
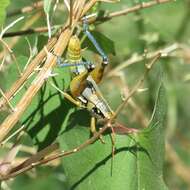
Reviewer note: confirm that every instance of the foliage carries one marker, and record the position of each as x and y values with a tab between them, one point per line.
139	157
137	163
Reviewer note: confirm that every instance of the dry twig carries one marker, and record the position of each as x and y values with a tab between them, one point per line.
59	48
102	19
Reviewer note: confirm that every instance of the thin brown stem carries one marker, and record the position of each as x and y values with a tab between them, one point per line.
127	11
31	163
136	87
37	60
6	99
27	25
12	55
27	32
40	79
138	58
94	19
138	7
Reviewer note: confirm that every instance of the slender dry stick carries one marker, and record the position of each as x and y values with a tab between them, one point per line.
99	19
17	114
30	22
33	163
136	87
31	53
2	63
88	5
67	4
12	55
27	9
10	26
37	157
28	31
34	158
135	8
60	46
138	112
12	119
37	60
12	135
6	99
138	58
6	45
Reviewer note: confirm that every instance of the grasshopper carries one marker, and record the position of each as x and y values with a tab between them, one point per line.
84	88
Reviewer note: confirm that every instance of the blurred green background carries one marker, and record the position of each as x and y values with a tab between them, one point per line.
146	30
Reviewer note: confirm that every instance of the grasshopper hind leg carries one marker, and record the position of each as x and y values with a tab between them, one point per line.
93	129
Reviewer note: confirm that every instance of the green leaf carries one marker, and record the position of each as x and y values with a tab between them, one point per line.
138	160
105	43
49	112
47	6
3	6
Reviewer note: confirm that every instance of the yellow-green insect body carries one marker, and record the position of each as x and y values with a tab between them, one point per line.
83	85
85	76
74	55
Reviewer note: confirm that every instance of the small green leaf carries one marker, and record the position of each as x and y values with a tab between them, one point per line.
138	160
3	6
105	43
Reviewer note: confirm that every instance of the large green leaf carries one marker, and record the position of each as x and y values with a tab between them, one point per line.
3	6
137	163
49	112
